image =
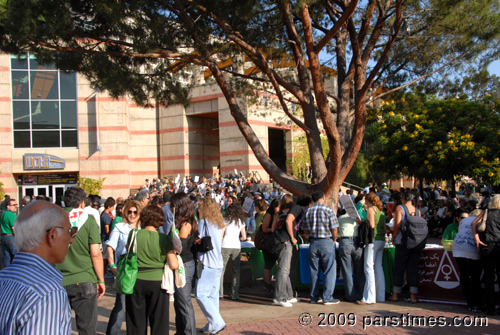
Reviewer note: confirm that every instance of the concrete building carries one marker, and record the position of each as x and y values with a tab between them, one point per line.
55	128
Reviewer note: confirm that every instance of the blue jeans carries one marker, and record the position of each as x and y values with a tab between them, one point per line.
9	249
117	316
206	293
351	263
322	257
404	258
184	312
283	288
83	300
250	224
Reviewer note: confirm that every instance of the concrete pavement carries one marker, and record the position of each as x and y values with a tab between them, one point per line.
254	314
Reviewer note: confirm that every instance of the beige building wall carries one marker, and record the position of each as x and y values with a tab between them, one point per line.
126	144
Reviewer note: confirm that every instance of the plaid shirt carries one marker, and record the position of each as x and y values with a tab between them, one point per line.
319	220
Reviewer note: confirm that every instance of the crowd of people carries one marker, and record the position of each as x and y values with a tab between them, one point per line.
85	237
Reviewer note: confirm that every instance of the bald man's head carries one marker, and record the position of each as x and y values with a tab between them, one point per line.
32	224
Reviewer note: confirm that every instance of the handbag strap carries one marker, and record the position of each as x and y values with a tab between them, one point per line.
132	247
205	231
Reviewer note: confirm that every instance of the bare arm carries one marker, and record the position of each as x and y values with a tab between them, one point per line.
334	234
111	259
243	233
185	230
266	223
173	263
371	217
97	263
475	232
289	227
398	216
481	224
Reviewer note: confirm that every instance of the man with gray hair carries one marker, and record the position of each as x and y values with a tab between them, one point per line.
32	299
83	269
142	197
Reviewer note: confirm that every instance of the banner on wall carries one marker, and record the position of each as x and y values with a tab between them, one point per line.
42	162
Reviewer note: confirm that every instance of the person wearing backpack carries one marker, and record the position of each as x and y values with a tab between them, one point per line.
408	252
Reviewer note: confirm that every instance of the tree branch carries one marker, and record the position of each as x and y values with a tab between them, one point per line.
413	81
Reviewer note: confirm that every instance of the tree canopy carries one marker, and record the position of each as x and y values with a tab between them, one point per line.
141	47
436	139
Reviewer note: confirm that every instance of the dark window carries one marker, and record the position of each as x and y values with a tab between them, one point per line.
46	139
68	85
68	114
22	139
69	138
20	85
44	105
21	114
44	115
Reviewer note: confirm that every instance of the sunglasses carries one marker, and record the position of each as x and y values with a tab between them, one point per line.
132	212
72	231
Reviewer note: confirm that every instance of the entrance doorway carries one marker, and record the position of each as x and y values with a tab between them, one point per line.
54	192
277	147
36	191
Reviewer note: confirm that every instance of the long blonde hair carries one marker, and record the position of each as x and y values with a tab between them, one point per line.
210	211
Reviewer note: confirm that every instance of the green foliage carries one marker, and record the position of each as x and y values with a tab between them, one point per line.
359	174
2	191
301	156
436	139
91	185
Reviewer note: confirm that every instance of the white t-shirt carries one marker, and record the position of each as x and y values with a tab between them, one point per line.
464	244
231	239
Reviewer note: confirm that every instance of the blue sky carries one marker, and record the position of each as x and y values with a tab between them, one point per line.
494	68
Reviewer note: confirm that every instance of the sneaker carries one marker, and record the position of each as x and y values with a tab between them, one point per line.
293	300
319	301
331	302
282	303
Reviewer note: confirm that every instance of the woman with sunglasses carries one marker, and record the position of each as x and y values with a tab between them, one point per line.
116	248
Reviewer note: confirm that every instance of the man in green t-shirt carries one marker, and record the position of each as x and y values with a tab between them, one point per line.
7	230
83	268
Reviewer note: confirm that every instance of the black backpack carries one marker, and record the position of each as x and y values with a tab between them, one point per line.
414	230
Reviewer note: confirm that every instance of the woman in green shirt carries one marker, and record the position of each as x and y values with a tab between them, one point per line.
149	302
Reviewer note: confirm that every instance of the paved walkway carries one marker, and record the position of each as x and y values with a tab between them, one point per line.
254	314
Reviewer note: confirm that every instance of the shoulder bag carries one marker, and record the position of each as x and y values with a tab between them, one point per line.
206	241
127	269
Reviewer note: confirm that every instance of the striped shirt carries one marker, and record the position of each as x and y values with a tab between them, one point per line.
32	299
319	220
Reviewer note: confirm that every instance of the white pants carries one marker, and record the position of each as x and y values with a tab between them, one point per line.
378	254
369	295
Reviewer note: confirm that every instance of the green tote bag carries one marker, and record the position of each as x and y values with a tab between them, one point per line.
127	269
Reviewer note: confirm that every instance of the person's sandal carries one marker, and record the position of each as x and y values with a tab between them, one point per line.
392	299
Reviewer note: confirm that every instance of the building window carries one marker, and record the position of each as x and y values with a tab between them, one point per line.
44	105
